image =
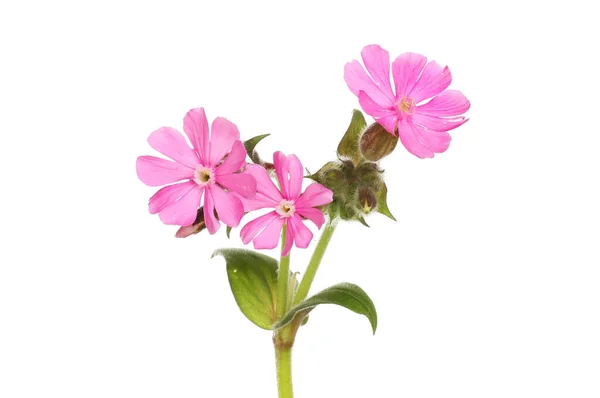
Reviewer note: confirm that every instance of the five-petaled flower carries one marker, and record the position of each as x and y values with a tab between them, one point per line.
422	128
290	206
211	168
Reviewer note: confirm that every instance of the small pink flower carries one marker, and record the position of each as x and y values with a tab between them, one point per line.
210	168
421	126
290	206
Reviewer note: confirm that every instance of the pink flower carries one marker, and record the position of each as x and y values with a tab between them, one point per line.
290	206
211	169
422	127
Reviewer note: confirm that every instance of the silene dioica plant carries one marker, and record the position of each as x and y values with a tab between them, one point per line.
212	183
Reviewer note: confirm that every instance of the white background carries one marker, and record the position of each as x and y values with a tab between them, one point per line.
487	286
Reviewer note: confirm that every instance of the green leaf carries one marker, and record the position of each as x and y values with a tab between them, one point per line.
363	222
251	144
348	146
346	295
382	206
228	232
253	281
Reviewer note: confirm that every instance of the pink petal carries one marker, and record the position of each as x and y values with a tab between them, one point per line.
314	215
437	123
302	235
448	103
259	201
212	224
377	62
289	240
372	108
314	195
242	184
171	143
264	183
420	142
432	81
229	208
222	137
268	238
357	80
290	174
169	194
155	171
389	123
195	126
235	160
406	70
250	230
184	210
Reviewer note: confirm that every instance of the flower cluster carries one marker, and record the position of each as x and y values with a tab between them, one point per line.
215	169
210	182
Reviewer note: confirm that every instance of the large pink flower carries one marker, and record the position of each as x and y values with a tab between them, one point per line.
422	127
290	206
211	169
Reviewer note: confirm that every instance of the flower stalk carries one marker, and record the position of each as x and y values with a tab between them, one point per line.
315	261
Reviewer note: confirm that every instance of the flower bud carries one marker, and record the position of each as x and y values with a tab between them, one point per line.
376	143
367	199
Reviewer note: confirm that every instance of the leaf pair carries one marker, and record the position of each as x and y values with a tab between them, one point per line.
253	281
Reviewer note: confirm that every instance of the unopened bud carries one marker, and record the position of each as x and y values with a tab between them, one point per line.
367	199
376	143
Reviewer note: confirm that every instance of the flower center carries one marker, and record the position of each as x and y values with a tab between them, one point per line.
286	208
203	175
406	105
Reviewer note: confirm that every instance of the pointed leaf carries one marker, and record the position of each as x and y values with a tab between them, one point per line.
346	295
348	146
253	281
228	232
382	206
251	144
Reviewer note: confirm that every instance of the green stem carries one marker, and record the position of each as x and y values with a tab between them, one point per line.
283	358
282	280
315	260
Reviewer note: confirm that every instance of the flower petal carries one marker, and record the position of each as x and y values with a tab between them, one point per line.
377	62
212	223
290	174
432	81
314	195
448	103
222	137
420	142
357	80
171	143
289	240
438	123
184	210
302	235
268	238
169	194
251	229
242	184
373	108
235	160
314	215
195	126
406	70
155	171
229	208
264	183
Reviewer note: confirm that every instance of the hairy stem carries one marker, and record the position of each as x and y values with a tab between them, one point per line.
283	278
